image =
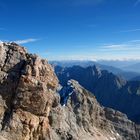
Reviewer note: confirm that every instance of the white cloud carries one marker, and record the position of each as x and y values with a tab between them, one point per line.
114	47
133	46
1	41
25	41
129	50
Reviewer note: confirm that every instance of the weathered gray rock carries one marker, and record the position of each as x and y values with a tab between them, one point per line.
84	118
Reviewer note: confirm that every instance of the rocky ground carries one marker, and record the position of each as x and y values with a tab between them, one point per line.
30	106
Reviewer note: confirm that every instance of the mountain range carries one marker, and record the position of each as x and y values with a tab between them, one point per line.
133	67
110	90
128	75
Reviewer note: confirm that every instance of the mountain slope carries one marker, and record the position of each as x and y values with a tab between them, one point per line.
109	89
100	123
134	67
136	78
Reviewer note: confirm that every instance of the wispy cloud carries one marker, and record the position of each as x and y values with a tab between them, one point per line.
130	46
132	30
137	2
26	41
114	47
121	51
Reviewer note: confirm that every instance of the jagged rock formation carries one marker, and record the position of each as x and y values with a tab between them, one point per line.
27	86
85	119
30	108
110	90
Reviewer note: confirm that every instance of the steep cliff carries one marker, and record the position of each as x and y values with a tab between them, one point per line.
27	93
30	107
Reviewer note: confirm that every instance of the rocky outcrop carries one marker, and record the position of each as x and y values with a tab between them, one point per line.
30	107
27	93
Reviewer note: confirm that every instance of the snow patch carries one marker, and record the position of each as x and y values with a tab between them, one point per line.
117	134
111	138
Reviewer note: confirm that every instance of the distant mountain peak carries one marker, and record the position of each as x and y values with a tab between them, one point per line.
97	70
110	90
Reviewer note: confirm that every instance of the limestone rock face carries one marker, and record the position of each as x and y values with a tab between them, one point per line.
27	93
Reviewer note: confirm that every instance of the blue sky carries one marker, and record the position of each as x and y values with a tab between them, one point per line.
73	29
